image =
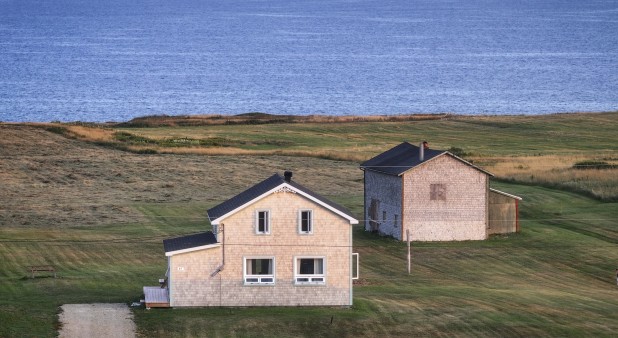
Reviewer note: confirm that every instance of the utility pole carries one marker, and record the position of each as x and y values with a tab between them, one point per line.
409	255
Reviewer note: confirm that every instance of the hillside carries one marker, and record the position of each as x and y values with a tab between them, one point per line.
99	214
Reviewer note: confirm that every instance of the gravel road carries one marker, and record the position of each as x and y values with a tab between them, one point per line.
96	320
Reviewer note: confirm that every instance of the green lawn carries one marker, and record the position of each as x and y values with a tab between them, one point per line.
486	136
555	278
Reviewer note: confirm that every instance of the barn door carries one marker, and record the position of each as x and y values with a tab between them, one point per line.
373	214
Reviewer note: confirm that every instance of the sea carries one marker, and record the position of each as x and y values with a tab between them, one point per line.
113	60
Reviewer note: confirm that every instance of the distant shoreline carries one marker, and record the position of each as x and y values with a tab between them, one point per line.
267	118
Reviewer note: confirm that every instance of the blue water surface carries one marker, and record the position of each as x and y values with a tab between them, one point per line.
114	60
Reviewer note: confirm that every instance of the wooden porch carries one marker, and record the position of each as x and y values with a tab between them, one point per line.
156	296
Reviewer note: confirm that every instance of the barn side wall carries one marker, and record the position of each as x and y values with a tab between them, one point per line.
462	215
502	214
386	190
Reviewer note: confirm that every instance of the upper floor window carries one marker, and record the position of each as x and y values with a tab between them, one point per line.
437	192
259	270
309	270
262	222
305	222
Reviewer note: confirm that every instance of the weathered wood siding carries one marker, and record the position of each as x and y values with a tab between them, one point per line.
386	190
462	215
502	214
331	239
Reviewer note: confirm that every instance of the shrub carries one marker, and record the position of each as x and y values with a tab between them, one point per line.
458	152
131	138
57	130
593	165
145	151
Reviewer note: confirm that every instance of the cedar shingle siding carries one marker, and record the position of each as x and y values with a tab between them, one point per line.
459	210
193	276
440	197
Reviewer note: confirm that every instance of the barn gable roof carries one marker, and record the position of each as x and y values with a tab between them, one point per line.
189	243
270	185
404	157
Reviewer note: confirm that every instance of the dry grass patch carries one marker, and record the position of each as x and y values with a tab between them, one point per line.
231	151
91	133
557	171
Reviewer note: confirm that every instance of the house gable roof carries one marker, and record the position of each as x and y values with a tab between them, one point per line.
404	157
265	188
189	243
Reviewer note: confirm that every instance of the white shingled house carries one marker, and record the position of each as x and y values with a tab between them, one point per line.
274	244
434	195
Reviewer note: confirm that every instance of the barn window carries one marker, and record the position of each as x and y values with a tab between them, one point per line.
437	192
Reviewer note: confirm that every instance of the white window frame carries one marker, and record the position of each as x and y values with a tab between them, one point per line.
313	279
300	222
257	222
258	279
355	254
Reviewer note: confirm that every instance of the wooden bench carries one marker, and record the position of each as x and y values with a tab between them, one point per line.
41	268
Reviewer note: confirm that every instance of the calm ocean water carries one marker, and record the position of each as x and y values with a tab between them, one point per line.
113	60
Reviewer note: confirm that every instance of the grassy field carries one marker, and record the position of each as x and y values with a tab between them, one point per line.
539	150
552	279
63	203
555	278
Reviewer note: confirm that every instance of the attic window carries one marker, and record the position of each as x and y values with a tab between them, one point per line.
305	224
437	192
262	220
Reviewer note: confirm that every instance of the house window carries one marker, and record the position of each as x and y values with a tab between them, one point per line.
309	270
395	221
259	271
262	221
437	192
383	216
305	222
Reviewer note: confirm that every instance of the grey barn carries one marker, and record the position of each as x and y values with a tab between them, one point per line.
434	195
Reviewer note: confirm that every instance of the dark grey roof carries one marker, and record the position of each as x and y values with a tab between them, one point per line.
261	188
403	157
191	241
399	159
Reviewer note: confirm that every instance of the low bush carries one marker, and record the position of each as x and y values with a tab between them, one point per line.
594	165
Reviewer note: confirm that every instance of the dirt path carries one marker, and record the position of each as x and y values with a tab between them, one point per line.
96	320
